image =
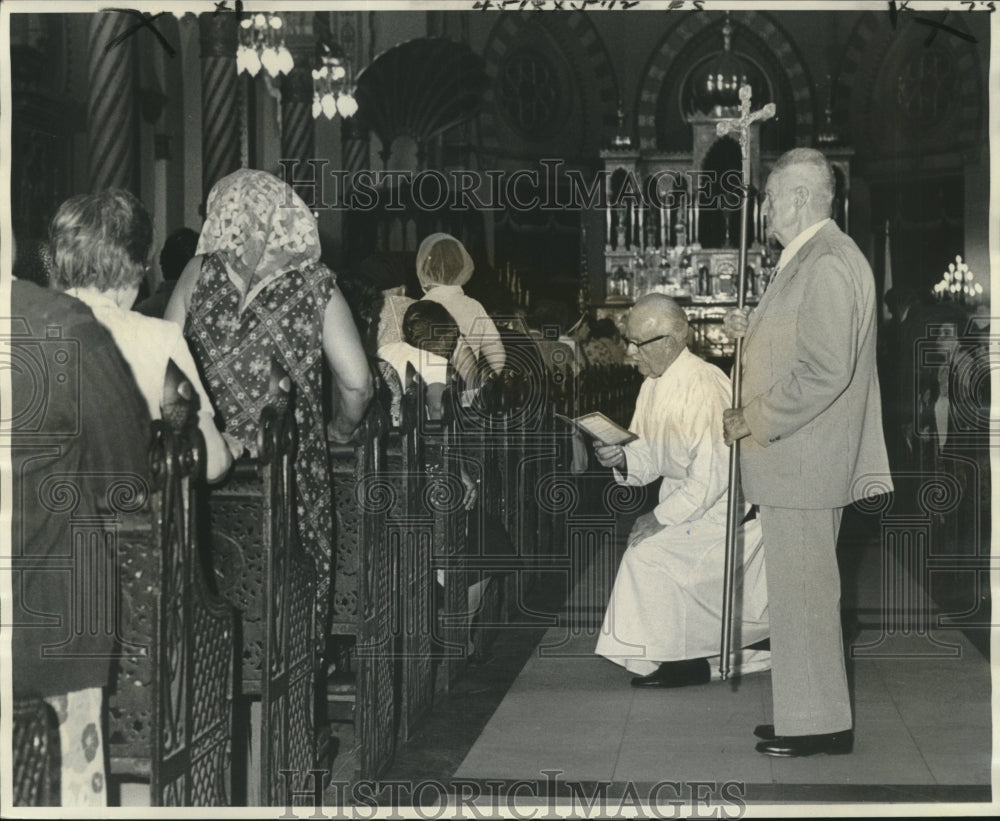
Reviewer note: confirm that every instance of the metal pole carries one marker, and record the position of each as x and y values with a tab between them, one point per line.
732	507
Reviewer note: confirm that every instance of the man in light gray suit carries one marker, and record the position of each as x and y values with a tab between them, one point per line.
811	425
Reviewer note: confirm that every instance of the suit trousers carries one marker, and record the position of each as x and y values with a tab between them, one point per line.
808	671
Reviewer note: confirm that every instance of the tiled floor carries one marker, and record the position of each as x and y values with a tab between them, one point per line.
548	712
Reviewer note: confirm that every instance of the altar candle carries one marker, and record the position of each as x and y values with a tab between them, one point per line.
663	226
666	237
694	235
609	224
642	239
632	211
756	218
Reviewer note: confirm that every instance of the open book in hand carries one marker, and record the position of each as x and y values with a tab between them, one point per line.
599	427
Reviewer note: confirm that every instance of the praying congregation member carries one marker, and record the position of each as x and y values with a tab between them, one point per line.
100	245
811	431
389	272
90	432
664	619
429	340
256	292
175	254
443	267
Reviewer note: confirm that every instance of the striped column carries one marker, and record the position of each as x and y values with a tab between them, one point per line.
111	103
297	124
220	113
355	144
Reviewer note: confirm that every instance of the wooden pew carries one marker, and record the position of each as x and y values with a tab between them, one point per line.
262	570
170	705
410	535
363	590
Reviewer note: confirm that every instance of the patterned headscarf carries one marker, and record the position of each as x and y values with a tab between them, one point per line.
260	227
443	260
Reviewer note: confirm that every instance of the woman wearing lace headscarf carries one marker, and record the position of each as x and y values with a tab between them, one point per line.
443	267
256	290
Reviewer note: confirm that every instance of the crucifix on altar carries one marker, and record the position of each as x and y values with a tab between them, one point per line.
747	126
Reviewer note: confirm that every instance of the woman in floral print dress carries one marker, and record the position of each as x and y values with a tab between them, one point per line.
257	290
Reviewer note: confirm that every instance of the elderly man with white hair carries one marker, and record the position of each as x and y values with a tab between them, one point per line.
664	620
811	431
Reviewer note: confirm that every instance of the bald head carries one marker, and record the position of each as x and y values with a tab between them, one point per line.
659	313
657	328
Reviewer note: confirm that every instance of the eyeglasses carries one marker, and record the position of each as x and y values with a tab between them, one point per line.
628	341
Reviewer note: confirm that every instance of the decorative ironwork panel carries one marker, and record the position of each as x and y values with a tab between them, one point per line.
170	710
262	570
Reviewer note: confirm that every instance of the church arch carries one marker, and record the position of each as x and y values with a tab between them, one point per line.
767	45
577	67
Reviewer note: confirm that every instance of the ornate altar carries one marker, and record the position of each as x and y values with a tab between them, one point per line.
673	218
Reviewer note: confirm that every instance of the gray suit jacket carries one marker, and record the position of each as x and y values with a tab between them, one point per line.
810	386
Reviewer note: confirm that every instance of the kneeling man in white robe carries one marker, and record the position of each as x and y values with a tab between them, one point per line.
664	620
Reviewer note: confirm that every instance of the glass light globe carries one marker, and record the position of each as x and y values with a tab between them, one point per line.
338	72
247	61
346	105
317	107
329	106
269	57
978	288
286	61
246	23
259	20
276	22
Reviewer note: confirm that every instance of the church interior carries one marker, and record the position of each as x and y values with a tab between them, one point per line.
578	157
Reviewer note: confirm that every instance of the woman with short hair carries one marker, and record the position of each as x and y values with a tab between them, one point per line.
100	247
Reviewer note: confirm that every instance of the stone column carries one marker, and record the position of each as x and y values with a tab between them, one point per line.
220	104
111	103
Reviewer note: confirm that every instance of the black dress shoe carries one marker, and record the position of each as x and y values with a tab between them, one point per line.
764	731
676	674
796	746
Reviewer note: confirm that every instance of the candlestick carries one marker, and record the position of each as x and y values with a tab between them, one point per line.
663	226
756	218
666	237
609	224
694	235
642	238
632	223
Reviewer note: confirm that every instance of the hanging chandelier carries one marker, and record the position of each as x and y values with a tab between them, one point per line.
716	84
332	87
262	43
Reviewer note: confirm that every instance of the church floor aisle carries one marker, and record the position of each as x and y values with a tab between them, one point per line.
546	710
